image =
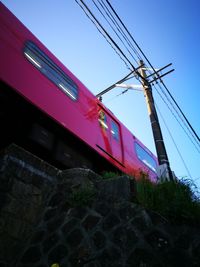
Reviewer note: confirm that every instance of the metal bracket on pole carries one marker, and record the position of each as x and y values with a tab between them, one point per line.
120	81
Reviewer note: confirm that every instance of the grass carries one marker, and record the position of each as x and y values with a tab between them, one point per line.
177	201
109	175
82	196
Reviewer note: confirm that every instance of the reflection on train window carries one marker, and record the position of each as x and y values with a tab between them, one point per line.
47	67
145	157
115	130
103	119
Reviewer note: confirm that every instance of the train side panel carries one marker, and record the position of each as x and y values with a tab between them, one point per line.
79	116
135	162
38	76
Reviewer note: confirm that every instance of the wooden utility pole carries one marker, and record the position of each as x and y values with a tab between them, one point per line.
157	134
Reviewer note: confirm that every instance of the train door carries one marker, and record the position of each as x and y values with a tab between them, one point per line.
109	139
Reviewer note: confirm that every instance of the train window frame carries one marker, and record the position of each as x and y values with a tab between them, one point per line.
145	160
115	130
50	70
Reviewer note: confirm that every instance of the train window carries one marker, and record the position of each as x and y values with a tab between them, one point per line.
145	157
115	130
48	68
103	119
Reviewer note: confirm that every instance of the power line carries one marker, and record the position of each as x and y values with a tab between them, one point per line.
120	53
118	27
128	33
186	126
106	33
171	136
113	28
103	34
154	71
181	111
177	119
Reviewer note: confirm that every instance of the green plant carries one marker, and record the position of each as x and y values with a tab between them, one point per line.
82	196
177	201
109	175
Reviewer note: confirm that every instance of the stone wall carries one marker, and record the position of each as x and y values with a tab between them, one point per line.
75	218
25	185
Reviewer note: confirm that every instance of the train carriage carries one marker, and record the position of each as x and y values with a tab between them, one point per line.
47	110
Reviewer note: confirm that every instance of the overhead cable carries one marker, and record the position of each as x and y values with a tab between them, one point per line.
154	71
173	140
114	30
177	119
118	27
107	34
126	60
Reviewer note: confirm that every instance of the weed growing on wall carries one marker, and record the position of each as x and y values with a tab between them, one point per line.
177	201
82	196
110	175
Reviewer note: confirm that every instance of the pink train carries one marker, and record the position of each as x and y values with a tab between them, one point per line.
47	110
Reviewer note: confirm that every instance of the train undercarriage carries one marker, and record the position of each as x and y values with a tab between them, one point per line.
31	129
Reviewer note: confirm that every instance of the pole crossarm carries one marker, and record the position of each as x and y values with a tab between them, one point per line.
157	71
160	76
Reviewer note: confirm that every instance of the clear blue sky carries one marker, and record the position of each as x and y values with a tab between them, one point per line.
167	31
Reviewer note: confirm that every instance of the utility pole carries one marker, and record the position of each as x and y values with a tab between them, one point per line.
157	134
164	170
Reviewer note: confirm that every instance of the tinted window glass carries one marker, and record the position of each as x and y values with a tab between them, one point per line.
115	130
46	66
145	157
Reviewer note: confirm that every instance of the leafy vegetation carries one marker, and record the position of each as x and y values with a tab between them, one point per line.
82	196
110	175
177	201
